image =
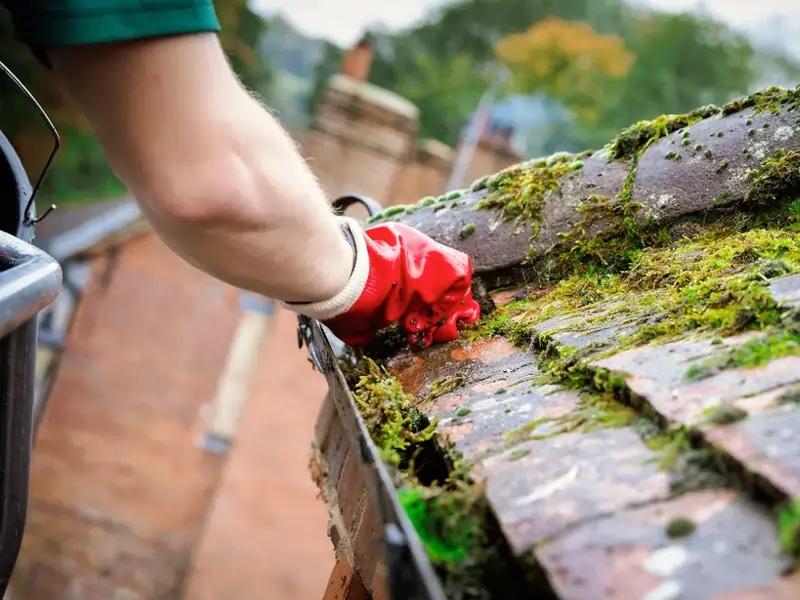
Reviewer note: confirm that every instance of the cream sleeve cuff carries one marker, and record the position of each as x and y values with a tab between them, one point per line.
344	300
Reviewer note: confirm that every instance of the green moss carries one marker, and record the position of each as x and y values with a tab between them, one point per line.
714	284
679	527
449	523
480	184
724	414
669	447
395	425
724	164
463	411
595	411
443	386
427	201
454	195
518	453
768	100
789	527
634	140
672	155
752	353
776	179
466	231
520	192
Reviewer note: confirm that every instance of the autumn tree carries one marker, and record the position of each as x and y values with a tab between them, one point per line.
568	60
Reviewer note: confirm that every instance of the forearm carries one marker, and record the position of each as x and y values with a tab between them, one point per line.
214	172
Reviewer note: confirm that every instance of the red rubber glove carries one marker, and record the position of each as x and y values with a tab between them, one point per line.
401	275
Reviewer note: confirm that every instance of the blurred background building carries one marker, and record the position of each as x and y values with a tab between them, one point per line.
176	412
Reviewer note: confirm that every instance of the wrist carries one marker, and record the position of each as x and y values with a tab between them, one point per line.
354	286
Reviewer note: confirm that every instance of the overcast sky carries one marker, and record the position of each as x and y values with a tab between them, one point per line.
342	21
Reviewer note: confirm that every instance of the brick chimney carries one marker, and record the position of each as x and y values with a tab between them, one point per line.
357	60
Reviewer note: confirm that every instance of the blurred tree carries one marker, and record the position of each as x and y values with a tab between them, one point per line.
469	28
444	92
567	59
242	30
682	60
324	69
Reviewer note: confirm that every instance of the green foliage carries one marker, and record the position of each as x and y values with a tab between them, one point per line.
241	32
444	91
569	60
681	61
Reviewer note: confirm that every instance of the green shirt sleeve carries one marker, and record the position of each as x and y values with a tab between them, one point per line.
68	22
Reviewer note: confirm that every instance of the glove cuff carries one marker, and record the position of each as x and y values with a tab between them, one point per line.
344	300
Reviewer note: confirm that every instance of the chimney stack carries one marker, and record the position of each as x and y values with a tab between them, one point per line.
357	61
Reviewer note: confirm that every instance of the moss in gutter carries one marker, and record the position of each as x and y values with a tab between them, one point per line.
449	512
449	524
393	422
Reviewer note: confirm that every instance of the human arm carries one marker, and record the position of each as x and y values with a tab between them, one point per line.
213	171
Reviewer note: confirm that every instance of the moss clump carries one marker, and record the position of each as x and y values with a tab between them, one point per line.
634	140
518	453
463	411
724	414
466	231
769	100
672	155
713	284
453	195
680	527
427	201
520	192
790	396
450	524
389	413
775	180
789	528
443	386
596	411
752	353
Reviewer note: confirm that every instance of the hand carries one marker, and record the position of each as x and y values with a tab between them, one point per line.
400	275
